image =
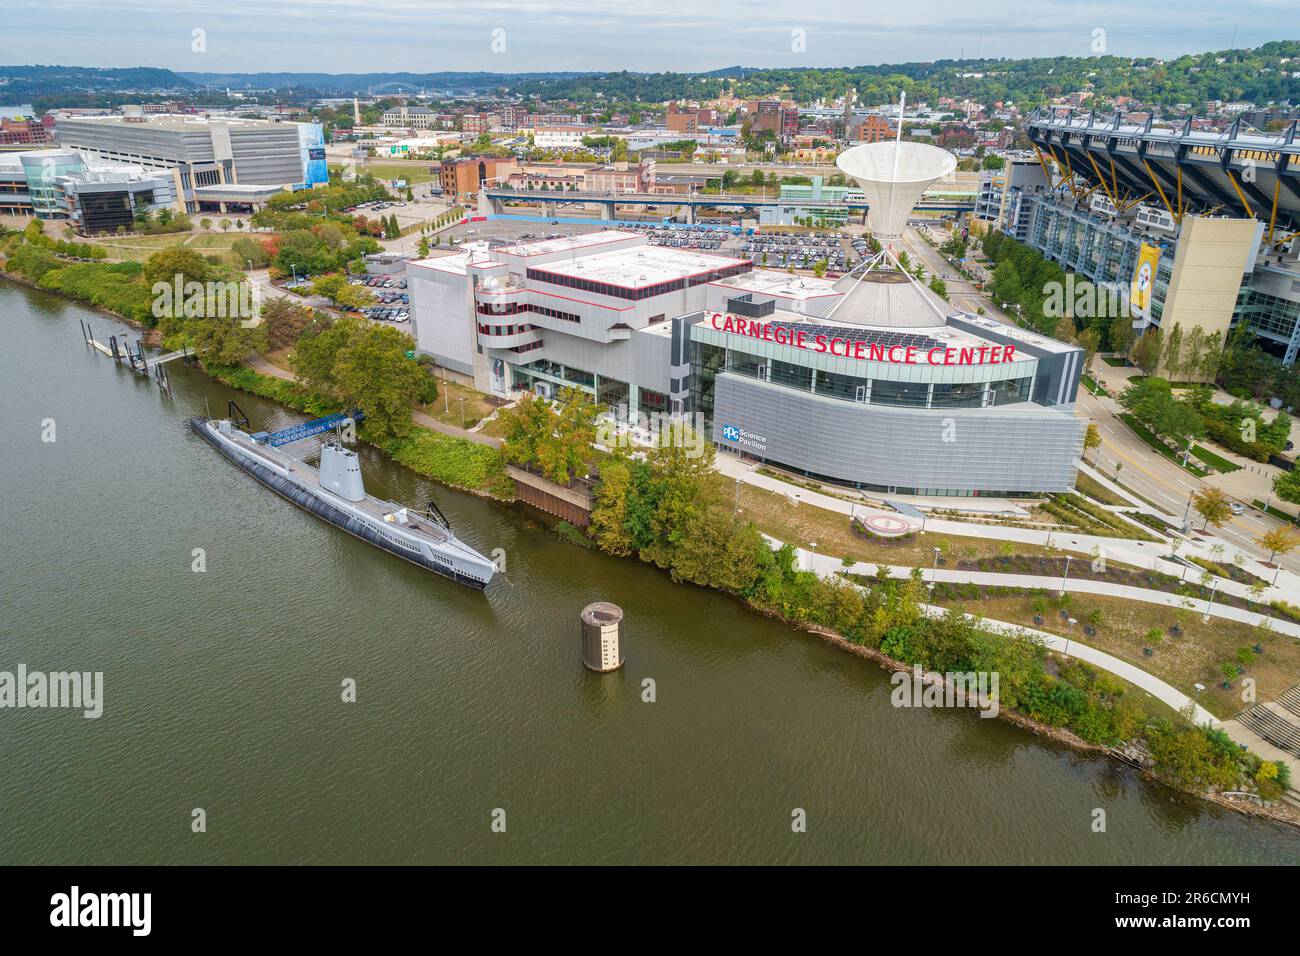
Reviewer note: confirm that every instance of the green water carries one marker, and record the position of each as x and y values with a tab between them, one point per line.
222	688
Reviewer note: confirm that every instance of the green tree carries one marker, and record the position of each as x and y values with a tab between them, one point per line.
1121	335
1148	349
609	514
165	264
219	341
1091	440
330	286
317	352
354	297
373	373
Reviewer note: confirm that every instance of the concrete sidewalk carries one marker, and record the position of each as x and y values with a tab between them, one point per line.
827	567
1141	554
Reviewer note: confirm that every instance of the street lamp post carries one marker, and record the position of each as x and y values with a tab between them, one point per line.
934	571
1187	512
1066	576
1210	603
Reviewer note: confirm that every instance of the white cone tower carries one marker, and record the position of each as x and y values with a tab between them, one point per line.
893	176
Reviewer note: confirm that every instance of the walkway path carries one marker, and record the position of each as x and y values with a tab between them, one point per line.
827	567
1141	554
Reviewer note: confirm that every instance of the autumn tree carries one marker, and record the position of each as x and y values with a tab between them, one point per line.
1280	540
1212	505
1091	440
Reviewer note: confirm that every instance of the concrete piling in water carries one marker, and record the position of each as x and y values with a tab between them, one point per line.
602	630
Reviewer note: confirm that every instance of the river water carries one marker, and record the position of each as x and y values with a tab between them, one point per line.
222	688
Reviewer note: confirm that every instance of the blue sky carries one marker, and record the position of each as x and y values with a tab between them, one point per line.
338	36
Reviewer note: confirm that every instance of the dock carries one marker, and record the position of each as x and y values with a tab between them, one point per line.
135	358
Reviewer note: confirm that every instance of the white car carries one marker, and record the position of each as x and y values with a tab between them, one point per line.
1237	508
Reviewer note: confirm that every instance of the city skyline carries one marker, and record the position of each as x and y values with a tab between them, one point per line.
541	36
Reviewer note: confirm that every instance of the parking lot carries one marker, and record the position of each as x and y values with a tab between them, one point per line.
392	303
802	251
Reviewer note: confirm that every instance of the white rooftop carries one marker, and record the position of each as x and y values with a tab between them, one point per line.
583	243
456	263
780	285
641	266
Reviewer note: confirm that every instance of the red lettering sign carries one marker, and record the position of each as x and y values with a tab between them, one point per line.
860	350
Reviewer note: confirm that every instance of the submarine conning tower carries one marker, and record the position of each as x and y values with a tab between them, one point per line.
340	472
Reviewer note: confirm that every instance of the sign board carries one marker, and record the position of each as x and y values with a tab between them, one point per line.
825	342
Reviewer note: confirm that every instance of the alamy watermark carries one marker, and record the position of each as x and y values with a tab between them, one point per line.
977	690
207	300
22	689
1084	299
653	429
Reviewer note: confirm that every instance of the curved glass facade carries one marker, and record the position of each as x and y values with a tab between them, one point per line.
42	172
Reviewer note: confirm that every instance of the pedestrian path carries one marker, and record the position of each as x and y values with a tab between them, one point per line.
1074	586
1140	554
827	567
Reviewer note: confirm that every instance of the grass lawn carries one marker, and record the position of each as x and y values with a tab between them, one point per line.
280	358
1156	445
1213	460
447	407
1191	657
412	173
140	248
1087	485
1115	362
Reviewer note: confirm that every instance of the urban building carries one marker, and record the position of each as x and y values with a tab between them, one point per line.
874	128
410	117
561	137
24	132
198	152
462	178
869	381
65	185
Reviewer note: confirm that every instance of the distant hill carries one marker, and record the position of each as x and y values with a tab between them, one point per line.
23	84
349	83
1262	75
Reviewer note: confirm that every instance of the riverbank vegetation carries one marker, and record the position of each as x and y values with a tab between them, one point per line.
454	461
1172	643
669	507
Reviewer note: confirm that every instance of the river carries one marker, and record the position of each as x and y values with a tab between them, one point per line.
222	689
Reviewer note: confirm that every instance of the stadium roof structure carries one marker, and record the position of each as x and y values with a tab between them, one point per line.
1238	172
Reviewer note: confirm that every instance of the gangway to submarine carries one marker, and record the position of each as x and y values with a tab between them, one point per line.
317	426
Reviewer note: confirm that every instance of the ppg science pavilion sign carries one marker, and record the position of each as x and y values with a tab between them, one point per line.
827	344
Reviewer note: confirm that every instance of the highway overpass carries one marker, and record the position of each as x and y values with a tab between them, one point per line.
493	199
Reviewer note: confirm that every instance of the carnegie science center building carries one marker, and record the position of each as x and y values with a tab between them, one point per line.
870	380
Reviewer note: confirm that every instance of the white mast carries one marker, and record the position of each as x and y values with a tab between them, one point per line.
898	138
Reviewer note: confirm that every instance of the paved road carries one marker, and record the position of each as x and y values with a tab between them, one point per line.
1166	484
1152	476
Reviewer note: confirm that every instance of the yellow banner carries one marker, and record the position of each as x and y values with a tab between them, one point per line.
1144	280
